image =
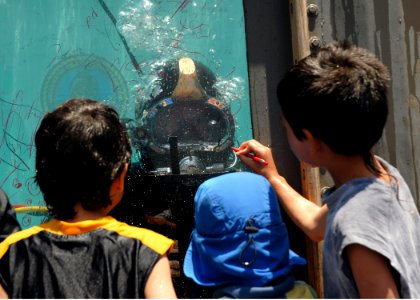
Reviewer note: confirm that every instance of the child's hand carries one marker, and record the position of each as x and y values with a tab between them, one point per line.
258	149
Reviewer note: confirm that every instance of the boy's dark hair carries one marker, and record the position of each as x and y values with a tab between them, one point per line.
339	94
81	147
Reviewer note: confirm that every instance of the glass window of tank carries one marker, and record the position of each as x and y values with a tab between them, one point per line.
176	71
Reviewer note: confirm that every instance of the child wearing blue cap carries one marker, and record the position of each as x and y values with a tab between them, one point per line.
239	246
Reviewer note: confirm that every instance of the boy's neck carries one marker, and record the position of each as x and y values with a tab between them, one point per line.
84	215
345	168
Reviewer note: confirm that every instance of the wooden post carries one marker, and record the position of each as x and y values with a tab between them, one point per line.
309	176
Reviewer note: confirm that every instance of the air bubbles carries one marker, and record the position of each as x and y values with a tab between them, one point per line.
128	27
231	90
147	5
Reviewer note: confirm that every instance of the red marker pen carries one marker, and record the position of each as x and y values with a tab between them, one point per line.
255	158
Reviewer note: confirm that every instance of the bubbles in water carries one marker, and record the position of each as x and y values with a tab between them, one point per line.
159	31
128	27
147	4
231	90
143	25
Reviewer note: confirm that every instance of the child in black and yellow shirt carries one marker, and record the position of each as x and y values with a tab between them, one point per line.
82	158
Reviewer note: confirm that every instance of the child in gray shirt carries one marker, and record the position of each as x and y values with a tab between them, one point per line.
334	107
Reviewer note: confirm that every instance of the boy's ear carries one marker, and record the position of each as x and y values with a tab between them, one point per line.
118	183
116	190
314	143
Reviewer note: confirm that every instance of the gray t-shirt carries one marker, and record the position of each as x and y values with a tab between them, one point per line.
380	216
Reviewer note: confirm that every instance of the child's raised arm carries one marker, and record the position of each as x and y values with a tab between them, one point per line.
310	217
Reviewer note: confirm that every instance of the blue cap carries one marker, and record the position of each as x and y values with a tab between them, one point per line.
221	251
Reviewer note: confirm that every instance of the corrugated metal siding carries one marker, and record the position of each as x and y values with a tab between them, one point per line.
390	29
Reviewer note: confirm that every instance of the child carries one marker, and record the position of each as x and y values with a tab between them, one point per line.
82	156
240	247
8	221
334	108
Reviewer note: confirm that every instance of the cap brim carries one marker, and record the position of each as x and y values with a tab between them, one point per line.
192	267
295	259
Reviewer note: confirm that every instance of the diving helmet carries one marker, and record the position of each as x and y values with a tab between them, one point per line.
184	128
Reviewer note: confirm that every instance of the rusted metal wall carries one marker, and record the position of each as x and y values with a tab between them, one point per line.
390	29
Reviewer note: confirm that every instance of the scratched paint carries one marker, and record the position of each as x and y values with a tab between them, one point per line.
107	50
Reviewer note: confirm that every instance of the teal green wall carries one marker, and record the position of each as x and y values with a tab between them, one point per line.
53	50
